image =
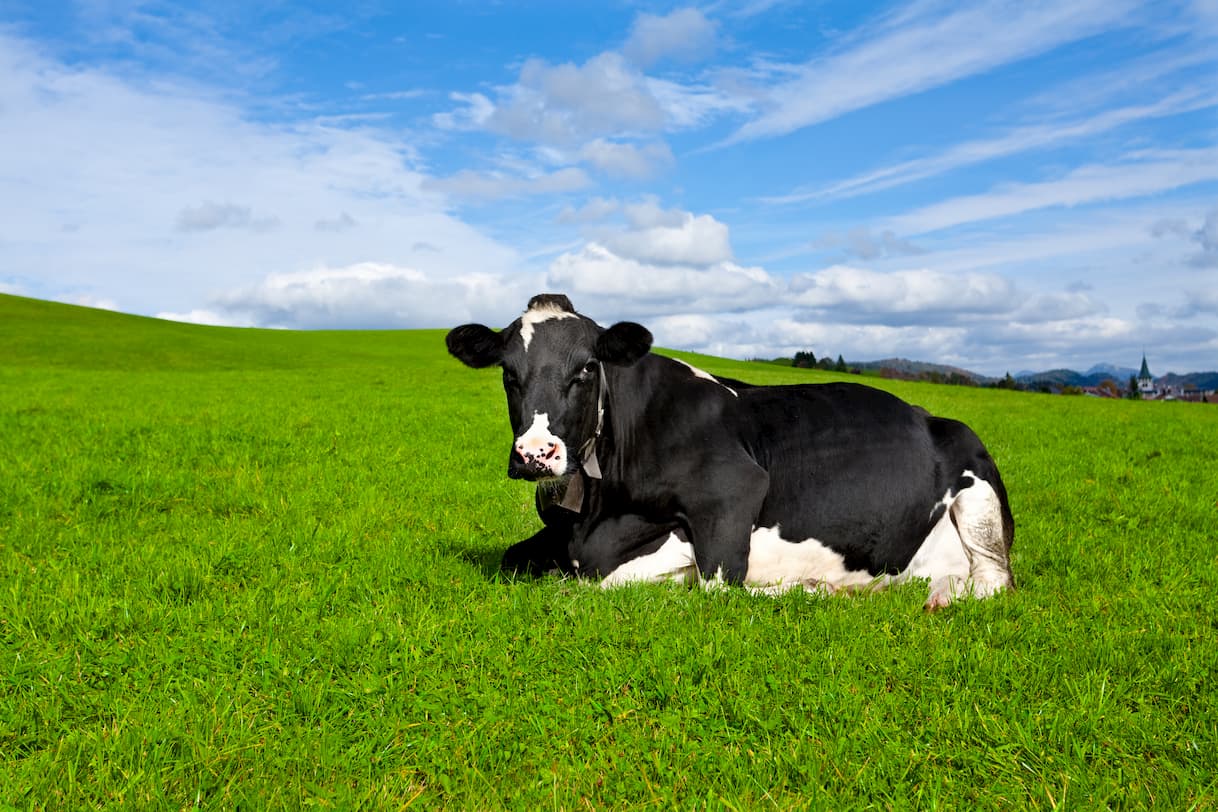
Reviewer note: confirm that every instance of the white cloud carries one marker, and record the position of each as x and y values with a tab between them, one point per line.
685	35
627	160
669	237
342	222
1205	236
919	49
595	210
1015	141
473	116
89	300
99	174
692	105
1145	174
211	216
866	244
212	318
863	342
494	185
626	285
368	294
569	103
856	293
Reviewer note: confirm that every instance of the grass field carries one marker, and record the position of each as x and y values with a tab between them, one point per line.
258	569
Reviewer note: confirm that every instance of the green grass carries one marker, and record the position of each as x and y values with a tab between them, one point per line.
256	568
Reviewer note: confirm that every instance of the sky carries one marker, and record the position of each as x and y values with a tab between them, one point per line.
1002	186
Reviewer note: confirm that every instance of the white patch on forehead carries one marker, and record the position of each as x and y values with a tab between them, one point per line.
699	373
537	315
674	561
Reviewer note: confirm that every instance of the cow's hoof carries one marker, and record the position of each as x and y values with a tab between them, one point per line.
937	601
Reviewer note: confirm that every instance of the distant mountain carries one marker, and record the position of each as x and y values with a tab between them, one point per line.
1201	380
1102	372
1054	379
1112	371
919	368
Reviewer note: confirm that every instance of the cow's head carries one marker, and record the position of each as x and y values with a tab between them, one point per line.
552	361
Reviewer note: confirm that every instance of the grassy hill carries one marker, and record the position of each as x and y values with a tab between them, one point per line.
258	568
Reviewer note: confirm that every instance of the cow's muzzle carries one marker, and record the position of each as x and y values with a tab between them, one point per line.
530	468
538	453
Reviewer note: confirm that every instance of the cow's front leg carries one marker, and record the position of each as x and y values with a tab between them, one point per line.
544	551
721	523
630	548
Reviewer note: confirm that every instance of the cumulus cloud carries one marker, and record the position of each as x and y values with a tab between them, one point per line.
861	342
1056	306
569	103
669	237
364	295
625	284
212	216
183	165
685	35
617	159
665	262
858	294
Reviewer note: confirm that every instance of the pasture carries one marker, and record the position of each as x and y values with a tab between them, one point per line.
256	568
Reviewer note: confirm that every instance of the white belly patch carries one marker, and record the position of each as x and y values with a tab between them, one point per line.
776	565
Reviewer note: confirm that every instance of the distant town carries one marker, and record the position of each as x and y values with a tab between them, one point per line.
1101	381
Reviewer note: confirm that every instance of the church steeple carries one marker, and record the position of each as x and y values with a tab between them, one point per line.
1146	381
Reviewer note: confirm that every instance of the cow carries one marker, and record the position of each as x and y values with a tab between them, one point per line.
649	469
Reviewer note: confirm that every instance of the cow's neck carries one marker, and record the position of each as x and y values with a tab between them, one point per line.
589	460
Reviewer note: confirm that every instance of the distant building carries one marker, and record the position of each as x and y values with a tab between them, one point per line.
1150	389
1146	381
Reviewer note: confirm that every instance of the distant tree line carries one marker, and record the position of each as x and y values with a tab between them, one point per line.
806	359
928	376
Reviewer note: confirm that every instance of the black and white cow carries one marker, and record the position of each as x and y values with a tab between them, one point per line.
649	469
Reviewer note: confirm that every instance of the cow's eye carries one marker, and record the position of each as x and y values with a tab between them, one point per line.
586	374
510	381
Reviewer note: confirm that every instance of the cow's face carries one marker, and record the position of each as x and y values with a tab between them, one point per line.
552	360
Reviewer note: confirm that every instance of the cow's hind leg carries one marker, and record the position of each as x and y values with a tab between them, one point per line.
984	525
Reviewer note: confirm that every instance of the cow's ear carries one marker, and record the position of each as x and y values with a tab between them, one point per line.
475	345
624	343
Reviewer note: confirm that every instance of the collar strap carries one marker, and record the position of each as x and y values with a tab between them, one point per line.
587	453
573	496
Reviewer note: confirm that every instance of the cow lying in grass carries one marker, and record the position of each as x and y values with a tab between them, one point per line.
649	469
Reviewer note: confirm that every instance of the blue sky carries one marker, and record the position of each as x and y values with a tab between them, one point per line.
998	185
